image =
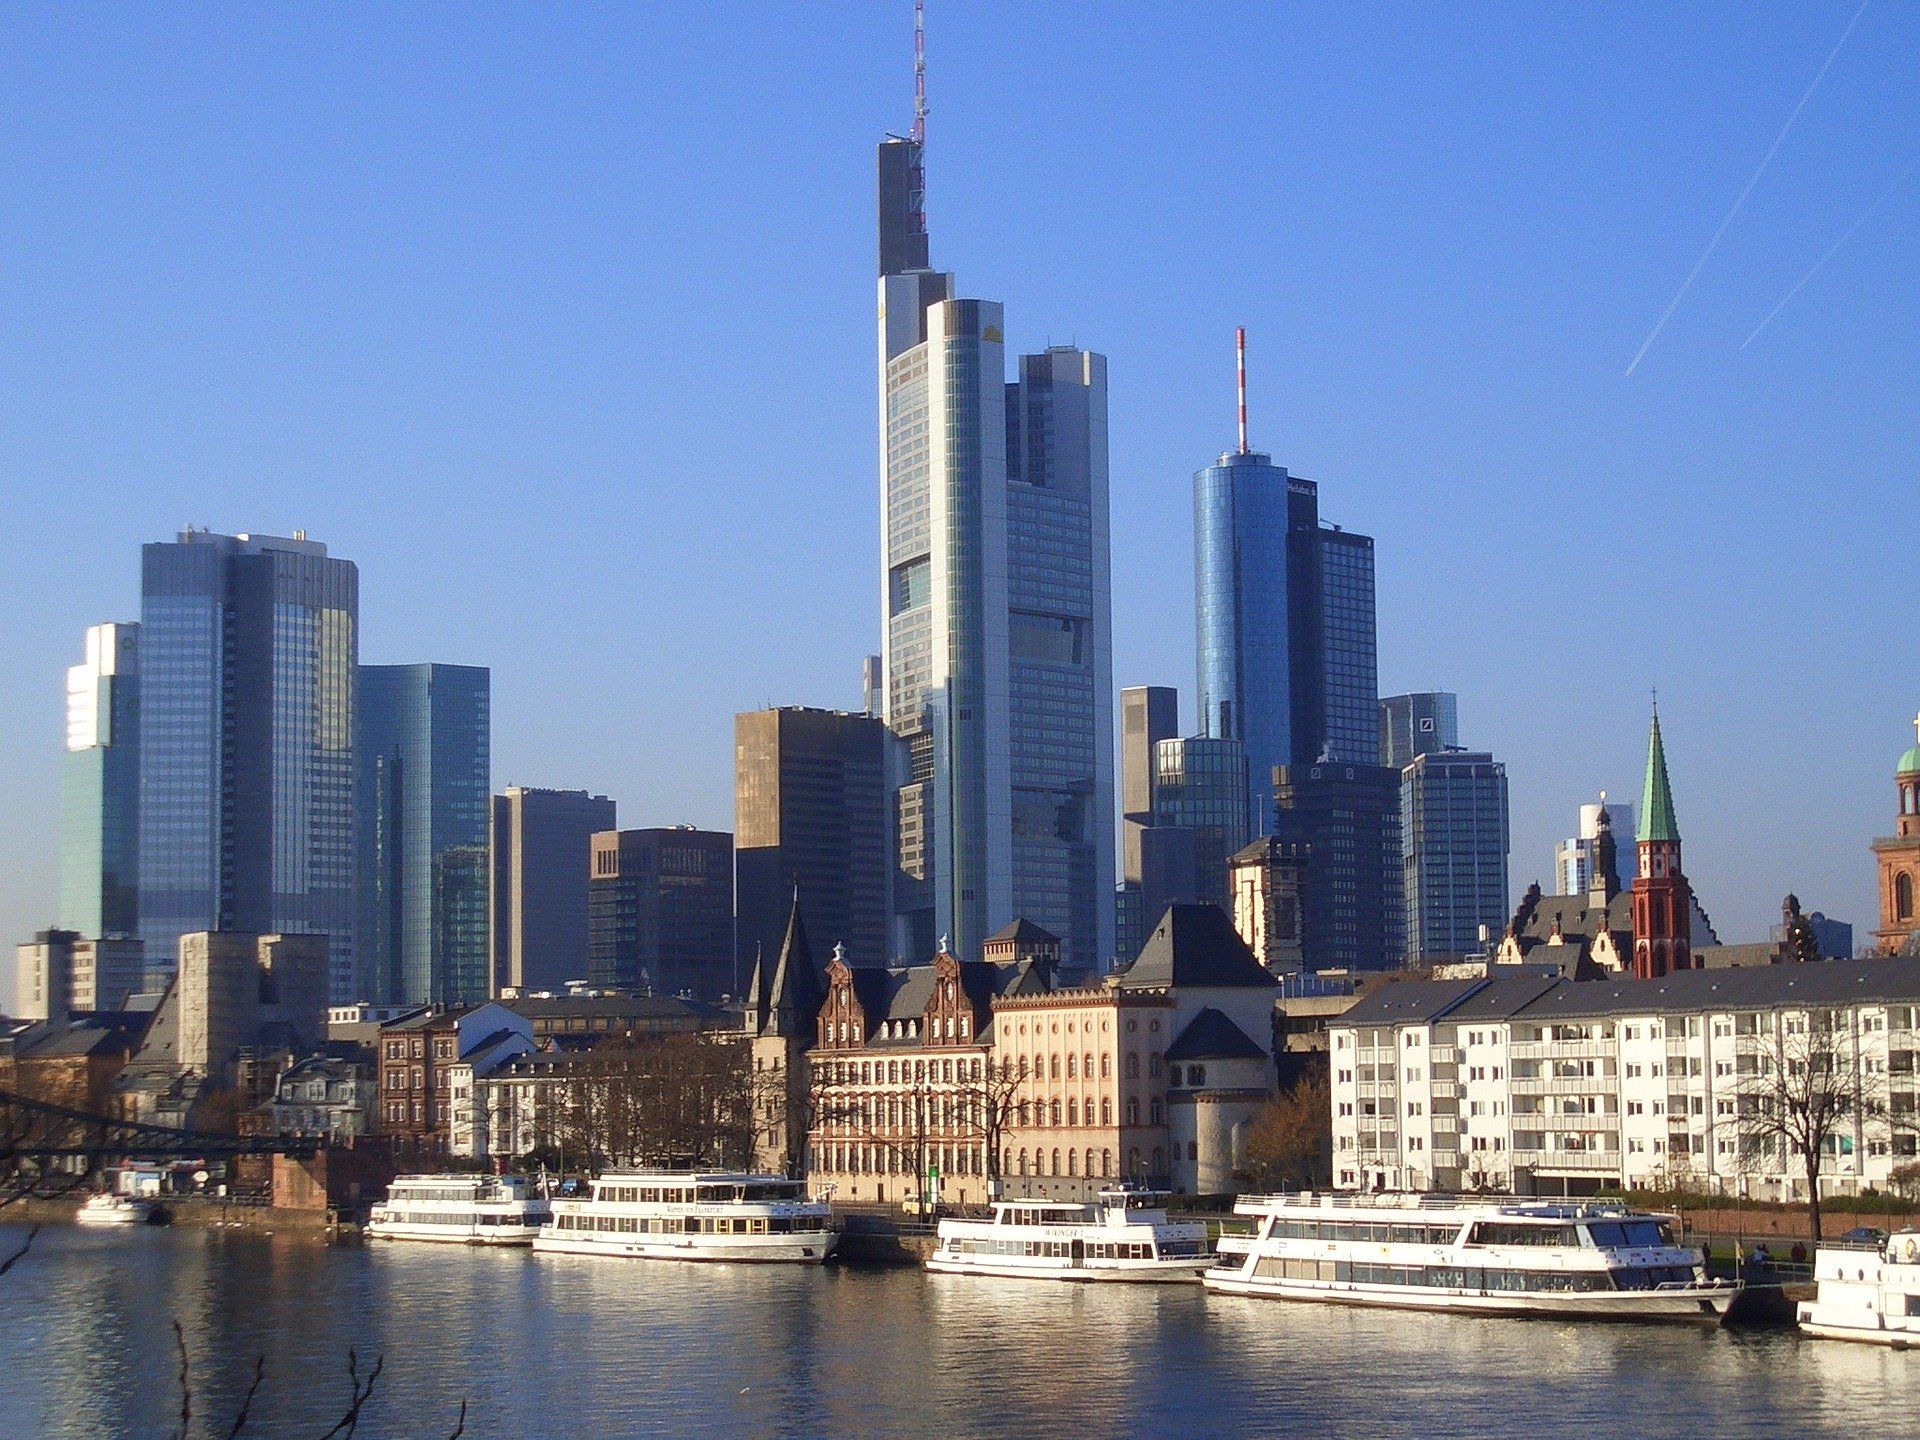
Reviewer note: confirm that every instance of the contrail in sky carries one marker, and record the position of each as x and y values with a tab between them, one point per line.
1712	244
1820	264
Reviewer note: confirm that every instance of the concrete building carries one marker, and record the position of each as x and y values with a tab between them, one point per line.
1898	858
1148	715
660	912
1453	853
58	972
248	653
996	609
423	755
100	789
1419	724
1348	819
810	817
1550	1086
1269	883
540	842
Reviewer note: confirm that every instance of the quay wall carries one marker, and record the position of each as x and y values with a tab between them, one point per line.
204	1214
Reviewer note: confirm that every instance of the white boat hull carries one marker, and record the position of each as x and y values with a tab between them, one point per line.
1689	1303
456	1234
111	1218
803	1248
1860	1334
1137	1272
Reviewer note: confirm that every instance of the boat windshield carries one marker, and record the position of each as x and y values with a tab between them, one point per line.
1638	1233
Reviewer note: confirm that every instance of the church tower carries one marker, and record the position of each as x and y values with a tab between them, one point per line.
1899	857
1662	898
782	1015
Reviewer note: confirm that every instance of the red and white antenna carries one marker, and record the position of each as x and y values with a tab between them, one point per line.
919	72
1240	364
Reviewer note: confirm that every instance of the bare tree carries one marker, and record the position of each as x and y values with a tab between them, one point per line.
1291	1139
1805	1093
992	1100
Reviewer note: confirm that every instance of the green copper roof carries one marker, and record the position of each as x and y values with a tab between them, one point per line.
1910	762
1656	797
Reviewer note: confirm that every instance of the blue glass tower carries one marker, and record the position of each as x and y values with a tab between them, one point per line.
247	655
422	755
100	788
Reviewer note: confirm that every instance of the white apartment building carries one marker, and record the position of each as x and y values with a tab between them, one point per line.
1561	1087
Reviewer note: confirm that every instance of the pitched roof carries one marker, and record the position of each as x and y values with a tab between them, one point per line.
1399	1002
1656	796
1026	931
796	990
1194	945
1212	1036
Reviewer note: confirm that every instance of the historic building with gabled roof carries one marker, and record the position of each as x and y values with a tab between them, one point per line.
1898	857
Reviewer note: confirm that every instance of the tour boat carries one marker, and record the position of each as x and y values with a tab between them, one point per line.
107	1209
1469	1256
1868	1292
461	1210
1124	1235
685	1215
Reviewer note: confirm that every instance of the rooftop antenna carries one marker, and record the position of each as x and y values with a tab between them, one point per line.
1240	365
919	72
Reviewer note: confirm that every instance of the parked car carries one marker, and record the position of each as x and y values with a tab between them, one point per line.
1864	1235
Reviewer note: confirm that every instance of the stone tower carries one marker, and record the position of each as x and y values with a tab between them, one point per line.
783	1009
1662	898
1899	857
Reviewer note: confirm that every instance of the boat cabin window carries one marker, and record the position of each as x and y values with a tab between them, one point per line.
1616	1234
1495	1232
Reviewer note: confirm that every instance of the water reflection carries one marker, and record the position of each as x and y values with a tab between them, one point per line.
579	1346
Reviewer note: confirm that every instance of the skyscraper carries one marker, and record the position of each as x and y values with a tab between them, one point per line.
1200	786
100	788
660	912
810	817
1453	850
1575	857
1418	724
996	614
422	754
1148	715
248	648
539	843
1348	818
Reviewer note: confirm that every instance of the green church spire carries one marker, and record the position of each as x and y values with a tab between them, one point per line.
1656	797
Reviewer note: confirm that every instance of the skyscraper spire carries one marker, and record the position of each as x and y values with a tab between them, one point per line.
1240	375
919	72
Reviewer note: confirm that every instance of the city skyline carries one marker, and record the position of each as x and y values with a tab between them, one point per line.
1674	450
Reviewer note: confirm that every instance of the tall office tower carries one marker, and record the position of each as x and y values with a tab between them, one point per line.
248	648
810	821
873	688
660	912
422	752
1348	818
1453	853
1418	724
1573	858
1148	715
995	606
1200	786
539	843
1285	621
100	788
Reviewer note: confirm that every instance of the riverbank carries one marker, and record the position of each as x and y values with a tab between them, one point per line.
192	1212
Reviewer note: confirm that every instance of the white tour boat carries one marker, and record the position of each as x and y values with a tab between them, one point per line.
1478	1257
461	1210
1124	1235
683	1215
113	1210
1867	1292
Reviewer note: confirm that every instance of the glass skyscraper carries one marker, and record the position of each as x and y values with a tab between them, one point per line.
422	754
248	647
1453	848
100	788
1418	724
1200	786
997	615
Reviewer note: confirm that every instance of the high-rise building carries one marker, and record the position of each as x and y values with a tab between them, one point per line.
996	611
1453	852
100	788
1418	724
660	912
1200	786
423	752
1574	857
1156	869
1348	818
58	972
810	819
539	843
248	650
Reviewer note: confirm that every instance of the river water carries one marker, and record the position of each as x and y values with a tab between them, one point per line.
567	1346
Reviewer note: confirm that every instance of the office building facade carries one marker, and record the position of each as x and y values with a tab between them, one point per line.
539	845
248	653
1575	857
660	912
1453	851
1148	715
1348	819
1418	724
810	819
1200	787
423	754
996	613
100	788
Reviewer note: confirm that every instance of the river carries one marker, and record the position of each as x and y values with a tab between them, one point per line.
582	1347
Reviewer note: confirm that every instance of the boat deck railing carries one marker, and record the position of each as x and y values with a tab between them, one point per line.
1543	1207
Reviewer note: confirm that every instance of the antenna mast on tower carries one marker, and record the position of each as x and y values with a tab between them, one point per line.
919	72
1240	365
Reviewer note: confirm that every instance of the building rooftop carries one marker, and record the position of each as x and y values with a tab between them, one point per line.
1212	1036
1194	945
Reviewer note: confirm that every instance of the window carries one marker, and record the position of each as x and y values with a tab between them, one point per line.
1903	896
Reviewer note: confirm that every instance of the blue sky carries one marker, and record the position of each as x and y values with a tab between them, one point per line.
558	320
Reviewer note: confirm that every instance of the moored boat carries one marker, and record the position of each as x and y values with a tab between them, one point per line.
1469	1256
461	1210
690	1215
105	1209
1867	1291
1124	1235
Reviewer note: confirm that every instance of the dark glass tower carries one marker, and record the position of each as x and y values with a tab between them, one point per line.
248	649
423	754
660	912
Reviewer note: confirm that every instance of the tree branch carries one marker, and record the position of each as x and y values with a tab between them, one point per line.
18	1255
246	1403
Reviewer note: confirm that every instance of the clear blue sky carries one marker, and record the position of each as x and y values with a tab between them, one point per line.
558	320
